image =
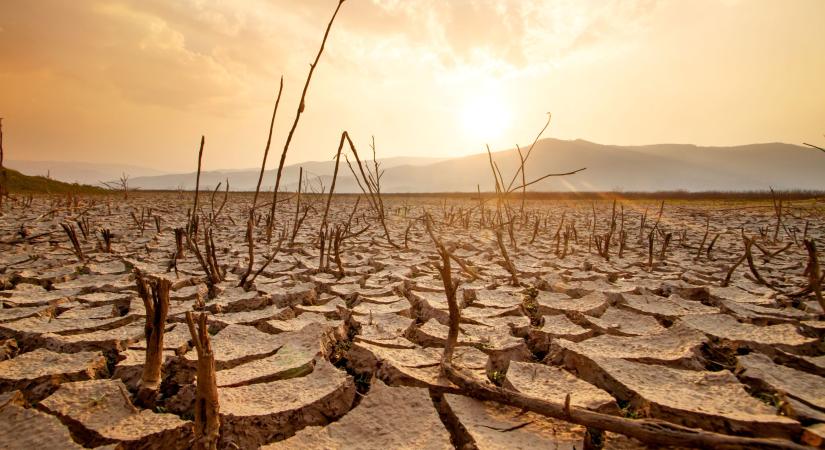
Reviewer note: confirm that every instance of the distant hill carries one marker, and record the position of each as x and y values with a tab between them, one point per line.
663	167
80	172
19	183
245	180
628	168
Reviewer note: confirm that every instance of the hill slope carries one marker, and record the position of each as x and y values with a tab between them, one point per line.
19	183
79	172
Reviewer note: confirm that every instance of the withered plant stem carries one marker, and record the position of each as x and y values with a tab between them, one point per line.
300	110
197	188
814	275
268	143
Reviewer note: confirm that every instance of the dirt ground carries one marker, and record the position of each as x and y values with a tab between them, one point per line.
698	313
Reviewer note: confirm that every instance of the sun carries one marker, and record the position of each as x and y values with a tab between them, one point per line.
485	116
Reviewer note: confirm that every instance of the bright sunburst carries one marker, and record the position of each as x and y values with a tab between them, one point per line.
485	117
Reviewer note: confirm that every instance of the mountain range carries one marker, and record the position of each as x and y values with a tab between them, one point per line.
661	167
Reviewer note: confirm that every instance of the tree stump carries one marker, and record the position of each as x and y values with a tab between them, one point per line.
155	295
207	407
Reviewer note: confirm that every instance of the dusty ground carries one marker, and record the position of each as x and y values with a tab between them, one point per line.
310	358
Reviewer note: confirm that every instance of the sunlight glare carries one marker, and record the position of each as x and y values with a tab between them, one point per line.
485	117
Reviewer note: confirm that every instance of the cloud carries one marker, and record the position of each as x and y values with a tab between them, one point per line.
402	69
517	32
218	55
171	71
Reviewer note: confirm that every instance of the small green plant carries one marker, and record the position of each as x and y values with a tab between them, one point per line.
497	377
630	413
531	306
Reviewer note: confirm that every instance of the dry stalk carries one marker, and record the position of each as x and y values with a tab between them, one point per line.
704	238
139	223
710	246
557	236
471	273
815	147
508	264
268	259
407	235
665	243
524	177
250	227
622	242
207	406
213	216
659	216
642	223
297	221
208	261
121	184
749	257
192	218
107	239
524	159
179	235
250	242
814	276
337	239
777	208
301	108
535	230
372	181
83	225
732	268
344	136
268	143
71	232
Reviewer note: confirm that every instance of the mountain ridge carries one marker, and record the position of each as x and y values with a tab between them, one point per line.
654	167
657	167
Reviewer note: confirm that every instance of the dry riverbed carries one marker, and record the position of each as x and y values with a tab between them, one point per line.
346	353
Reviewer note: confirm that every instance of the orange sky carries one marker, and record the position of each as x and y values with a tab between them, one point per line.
138	81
